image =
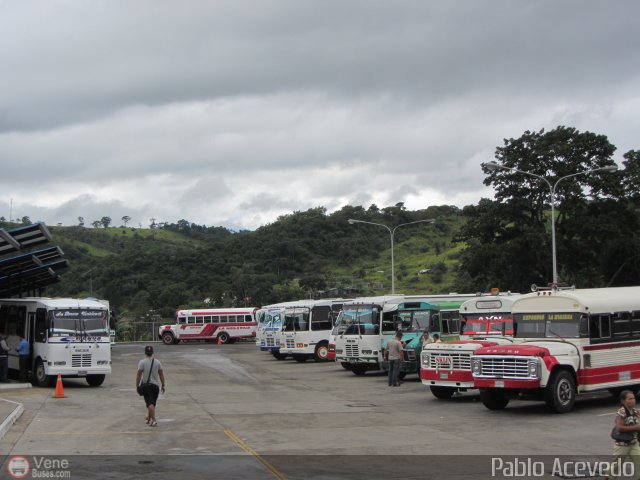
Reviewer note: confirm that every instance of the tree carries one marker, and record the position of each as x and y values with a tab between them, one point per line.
81	221
96	224
510	238
126	219
105	221
26	220
152	222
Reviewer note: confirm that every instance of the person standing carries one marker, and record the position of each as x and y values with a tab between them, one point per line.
23	355
150	370
4	359
426	339
627	420
394	356
436	338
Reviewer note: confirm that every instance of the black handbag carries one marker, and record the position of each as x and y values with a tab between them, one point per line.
143	387
626	437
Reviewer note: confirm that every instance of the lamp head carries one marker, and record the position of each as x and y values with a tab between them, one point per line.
351	221
491	166
609	168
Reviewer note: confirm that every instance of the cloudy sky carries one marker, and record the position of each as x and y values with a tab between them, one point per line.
233	113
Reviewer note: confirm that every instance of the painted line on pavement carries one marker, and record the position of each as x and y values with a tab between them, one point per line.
237	440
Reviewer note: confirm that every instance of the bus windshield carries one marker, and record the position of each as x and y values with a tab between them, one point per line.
79	322
547	325
358	320
414	320
296	320
487	324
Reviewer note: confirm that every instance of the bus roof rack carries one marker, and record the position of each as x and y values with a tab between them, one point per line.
552	286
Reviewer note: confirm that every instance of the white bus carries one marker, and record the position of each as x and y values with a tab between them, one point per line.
224	325
572	341
485	321
66	336
306	328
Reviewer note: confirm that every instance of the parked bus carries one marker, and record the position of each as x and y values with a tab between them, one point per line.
573	341
306	328
270	334
66	336
417	313
224	325
361	325
265	316
485	320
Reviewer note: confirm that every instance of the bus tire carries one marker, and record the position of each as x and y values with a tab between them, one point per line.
359	370
300	358
279	356
95	380
493	398
346	365
560	394
443	393
223	337
168	338
40	378
321	352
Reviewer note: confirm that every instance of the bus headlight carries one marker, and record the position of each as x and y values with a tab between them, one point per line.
425	360
476	366
59	364
103	362
534	368
338	351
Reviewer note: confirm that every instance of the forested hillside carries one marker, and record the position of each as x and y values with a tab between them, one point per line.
301	255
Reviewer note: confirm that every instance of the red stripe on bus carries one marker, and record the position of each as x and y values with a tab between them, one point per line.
594	376
452	375
609	346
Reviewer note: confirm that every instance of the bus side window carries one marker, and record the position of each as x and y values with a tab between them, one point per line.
4	317
41	325
635	324
584	326
594	327
434	323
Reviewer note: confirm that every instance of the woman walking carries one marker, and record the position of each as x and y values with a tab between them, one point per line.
150	378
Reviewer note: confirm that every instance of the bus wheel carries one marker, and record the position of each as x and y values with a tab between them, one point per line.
167	338
223	337
279	356
40	378
95	380
359	370
300	358
346	365
560	394
442	393
321	353
493	398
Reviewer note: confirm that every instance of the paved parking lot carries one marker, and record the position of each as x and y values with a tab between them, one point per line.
239	413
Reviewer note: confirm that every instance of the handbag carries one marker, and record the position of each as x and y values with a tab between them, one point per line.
626	437
143	387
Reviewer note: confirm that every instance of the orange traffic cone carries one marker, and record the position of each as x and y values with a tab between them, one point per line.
219	341
59	393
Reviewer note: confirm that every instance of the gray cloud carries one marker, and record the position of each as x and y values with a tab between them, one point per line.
202	110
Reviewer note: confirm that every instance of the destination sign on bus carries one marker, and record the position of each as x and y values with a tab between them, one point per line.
548	316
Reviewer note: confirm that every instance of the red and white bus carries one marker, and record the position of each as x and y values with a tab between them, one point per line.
224	325
568	342
485	321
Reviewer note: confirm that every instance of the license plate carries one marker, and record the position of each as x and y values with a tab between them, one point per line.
444	376
499	384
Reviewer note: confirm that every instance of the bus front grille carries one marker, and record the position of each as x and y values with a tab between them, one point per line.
351	350
450	361
79	360
505	367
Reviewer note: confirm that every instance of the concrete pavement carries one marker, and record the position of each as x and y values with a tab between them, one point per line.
10	411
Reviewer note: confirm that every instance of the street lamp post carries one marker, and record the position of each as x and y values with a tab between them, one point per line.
492	166
392	232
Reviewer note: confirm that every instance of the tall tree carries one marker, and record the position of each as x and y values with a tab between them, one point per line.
521	220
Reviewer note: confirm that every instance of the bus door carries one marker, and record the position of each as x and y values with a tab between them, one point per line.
30	335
